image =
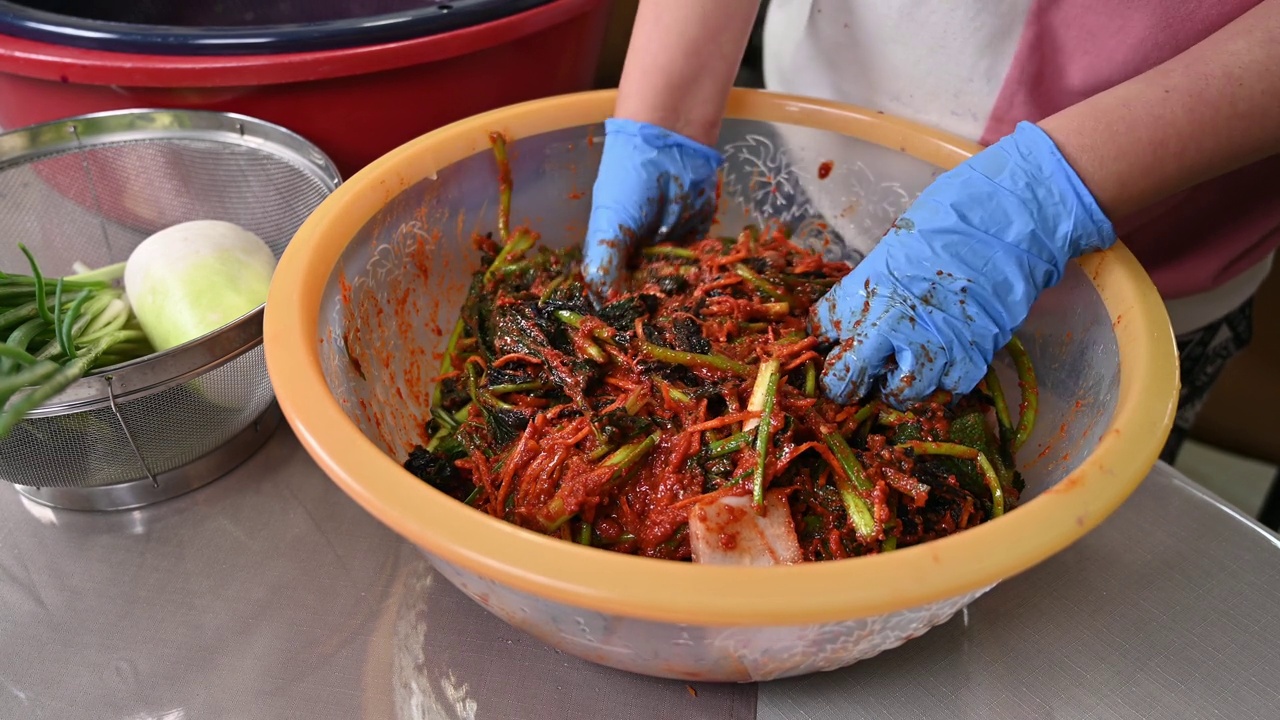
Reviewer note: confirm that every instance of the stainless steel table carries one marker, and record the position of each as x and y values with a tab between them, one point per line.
269	594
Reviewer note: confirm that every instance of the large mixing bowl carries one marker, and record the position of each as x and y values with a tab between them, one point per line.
354	331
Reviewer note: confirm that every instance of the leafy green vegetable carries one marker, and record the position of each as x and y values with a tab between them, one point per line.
85	326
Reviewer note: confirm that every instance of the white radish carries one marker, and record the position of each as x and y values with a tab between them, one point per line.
727	531
192	278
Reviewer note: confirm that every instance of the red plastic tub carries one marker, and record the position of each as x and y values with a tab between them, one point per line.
354	103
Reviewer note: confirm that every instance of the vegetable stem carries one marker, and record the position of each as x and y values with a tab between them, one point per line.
848	461
482	396
768	374
1030	392
106	275
19	339
520	242
670	251
775	310
554	514
532	386
800	280
76	334
69	323
499	143
993	485
688	359
570	318
53	380
10	352
113	318
446	365
625	537
765	287
729	445
34	374
475	495
459	417
634	404
998	399
584	345
865	412
102	302
23	313
948	449
851	482
447	421
676	394
58	334
42	304
551	288
628	455
574	320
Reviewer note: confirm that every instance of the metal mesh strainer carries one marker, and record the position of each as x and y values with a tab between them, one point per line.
91	188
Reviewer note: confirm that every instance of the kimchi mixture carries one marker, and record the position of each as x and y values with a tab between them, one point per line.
682	418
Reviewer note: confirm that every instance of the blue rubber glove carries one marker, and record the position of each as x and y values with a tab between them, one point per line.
653	185
946	287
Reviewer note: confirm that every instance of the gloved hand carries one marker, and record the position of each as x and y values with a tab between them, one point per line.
946	287
653	185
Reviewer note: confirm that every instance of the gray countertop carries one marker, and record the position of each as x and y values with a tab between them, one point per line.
269	594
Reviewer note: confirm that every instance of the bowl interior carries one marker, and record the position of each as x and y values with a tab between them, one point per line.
395	296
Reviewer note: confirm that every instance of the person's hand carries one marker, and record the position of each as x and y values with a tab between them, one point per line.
945	288
653	185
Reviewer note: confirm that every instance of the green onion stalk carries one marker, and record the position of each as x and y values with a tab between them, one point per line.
768	375
50	342
853	485
689	359
554	514
1030	392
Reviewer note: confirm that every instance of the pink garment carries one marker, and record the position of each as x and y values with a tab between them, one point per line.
1073	49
